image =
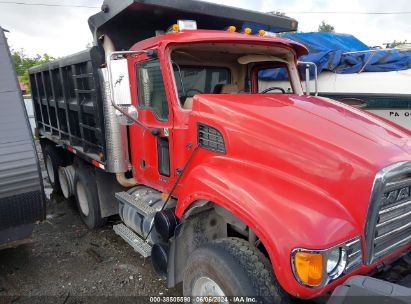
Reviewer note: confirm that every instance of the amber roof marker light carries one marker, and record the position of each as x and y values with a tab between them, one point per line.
261	33
248	31
175	27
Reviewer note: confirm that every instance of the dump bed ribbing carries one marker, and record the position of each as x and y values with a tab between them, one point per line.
67	101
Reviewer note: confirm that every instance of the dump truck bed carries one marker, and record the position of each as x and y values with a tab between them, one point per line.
68	103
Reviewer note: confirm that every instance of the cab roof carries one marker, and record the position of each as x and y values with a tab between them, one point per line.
203	36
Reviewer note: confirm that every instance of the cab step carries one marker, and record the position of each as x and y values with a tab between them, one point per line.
141	206
133	240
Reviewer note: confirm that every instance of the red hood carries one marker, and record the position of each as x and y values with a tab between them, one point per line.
324	145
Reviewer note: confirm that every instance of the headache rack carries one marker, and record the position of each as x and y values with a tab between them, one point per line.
128	21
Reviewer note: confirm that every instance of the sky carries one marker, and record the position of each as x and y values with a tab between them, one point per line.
61	31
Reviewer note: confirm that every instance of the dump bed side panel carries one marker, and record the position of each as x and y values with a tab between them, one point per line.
68	103
21	191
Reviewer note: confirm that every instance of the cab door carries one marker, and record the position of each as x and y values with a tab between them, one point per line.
151	147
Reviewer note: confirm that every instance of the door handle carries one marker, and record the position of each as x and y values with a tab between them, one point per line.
155	131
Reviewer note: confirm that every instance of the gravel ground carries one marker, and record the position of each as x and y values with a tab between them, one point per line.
67	263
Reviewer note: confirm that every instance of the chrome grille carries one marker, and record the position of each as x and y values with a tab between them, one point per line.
388	224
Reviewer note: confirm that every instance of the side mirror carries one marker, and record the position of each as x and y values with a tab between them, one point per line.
307	66
120	86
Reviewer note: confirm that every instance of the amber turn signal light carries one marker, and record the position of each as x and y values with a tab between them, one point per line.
309	267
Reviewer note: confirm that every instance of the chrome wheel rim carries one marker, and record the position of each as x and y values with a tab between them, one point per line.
50	171
206	287
63	182
82	198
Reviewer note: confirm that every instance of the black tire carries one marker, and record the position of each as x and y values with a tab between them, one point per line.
85	191
238	268
53	159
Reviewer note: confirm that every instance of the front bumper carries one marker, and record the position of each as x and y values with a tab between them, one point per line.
362	289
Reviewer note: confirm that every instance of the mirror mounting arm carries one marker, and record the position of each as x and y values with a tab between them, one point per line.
307	75
152	53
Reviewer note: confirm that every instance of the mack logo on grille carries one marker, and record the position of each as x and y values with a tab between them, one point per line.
395	196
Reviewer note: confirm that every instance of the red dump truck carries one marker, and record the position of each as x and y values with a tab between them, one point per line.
230	189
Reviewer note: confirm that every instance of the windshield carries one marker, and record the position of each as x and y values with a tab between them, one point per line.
274	80
199	79
220	68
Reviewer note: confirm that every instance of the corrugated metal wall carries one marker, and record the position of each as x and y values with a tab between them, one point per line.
19	171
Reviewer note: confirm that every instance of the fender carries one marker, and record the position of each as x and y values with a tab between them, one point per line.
284	212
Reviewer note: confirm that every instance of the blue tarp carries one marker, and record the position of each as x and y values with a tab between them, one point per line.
328	52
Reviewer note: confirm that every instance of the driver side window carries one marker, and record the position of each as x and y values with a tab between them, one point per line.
274	81
151	90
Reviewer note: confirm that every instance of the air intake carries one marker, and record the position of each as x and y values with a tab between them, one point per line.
210	138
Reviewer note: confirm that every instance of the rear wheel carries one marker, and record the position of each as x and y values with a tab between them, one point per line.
53	159
231	267
85	191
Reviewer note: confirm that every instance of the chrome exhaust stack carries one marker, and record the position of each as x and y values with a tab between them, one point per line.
117	157
117	160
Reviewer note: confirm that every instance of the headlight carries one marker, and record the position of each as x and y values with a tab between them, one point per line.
333	259
316	268
336	262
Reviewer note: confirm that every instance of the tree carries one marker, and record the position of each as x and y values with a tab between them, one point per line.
325	27
22	63
396	43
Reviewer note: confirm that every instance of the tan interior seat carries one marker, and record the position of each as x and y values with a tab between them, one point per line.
188	104
229	89
225	89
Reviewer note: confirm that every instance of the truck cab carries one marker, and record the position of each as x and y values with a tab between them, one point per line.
189	65
201	91
232	189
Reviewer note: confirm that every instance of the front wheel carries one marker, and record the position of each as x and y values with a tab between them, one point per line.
231	267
